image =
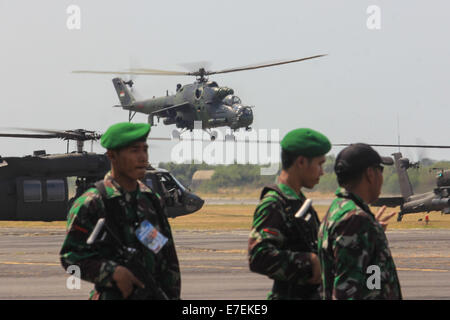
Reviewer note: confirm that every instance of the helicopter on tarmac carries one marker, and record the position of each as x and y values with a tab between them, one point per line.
202	100
36	187
436	200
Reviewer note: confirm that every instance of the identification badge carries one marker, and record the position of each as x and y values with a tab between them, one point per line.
150	237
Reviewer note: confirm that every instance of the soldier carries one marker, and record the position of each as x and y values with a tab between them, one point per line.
281	246
353	249
125	203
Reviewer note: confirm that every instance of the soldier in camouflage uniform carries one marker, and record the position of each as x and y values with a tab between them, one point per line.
281	246
353	249
131	202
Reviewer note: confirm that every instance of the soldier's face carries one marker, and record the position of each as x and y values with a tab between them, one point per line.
310	170
130	162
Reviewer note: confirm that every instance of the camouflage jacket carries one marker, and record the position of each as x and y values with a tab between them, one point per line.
279	245
98	267
351	241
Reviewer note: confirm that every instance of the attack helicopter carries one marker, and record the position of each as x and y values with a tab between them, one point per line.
35	187
203	100
436	200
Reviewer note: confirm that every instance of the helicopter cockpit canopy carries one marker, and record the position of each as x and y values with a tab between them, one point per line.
221	93
231	100
212	84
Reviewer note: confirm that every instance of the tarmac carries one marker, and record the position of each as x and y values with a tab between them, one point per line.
213	265
253	201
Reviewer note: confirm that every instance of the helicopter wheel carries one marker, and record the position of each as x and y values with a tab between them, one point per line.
213	135
399	217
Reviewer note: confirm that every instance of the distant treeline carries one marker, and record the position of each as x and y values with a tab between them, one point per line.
249	176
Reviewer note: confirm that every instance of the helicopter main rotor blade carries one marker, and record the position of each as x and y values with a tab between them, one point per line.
59	134
278	141
82	135
201	72
160	72
398	145
264	65
188	139
139	71
159	139
24	135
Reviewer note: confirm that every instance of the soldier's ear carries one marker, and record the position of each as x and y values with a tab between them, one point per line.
370	174
111	154
301	161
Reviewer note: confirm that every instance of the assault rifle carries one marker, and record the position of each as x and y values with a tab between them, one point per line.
128	257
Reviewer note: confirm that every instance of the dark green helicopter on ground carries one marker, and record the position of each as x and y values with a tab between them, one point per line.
36	187
202	100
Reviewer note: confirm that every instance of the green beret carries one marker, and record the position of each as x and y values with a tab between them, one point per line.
124	133
306	142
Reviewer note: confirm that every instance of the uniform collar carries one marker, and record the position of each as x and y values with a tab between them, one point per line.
289	193
113	189
341	192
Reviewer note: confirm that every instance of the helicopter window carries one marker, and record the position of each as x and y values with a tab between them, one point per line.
198	93
168	182
212	84
231	100
228	100
179	184
56	190
32	191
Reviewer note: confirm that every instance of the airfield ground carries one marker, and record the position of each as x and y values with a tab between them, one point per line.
212	249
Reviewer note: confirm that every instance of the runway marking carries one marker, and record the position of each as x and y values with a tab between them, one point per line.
206	250
418	255
181	258
426	270
215	267
30	263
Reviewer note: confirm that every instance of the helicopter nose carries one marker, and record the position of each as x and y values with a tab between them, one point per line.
194	203
247	114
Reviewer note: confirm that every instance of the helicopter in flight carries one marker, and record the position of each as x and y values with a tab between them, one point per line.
436	200
36	187
203	100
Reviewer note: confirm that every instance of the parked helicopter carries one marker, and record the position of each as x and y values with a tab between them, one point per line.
202	100
36	187
436	200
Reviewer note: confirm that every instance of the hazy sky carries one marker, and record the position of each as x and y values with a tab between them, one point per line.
352	95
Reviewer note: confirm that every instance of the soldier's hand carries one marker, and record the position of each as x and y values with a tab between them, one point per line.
316	276
383	220
126	281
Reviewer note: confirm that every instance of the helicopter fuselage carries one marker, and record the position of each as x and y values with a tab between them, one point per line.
37	187
214	106
436	200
